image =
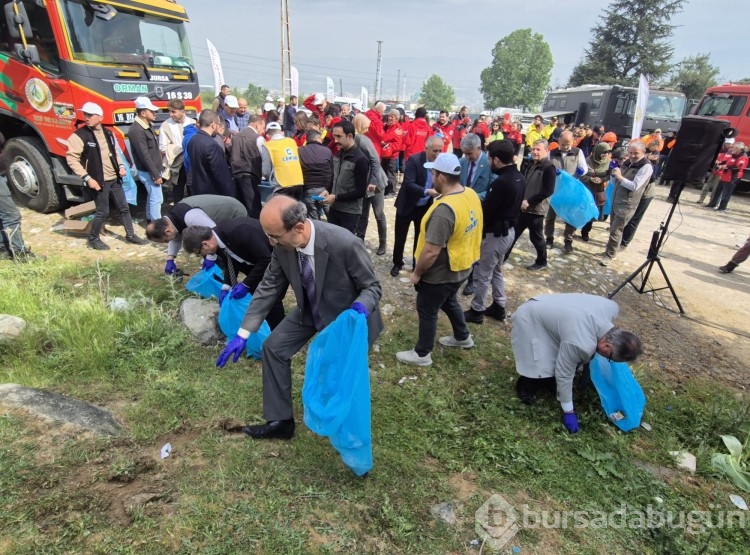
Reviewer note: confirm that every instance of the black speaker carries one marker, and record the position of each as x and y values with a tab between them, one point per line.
698	143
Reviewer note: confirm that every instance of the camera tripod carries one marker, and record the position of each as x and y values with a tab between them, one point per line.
653	258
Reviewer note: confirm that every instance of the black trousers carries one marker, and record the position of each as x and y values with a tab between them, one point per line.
248	189
401	230
535	224
343	219
276	314
431	299
110	190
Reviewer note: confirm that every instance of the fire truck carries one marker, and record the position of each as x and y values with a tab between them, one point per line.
55	55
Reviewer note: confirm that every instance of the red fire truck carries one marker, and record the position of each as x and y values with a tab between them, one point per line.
55	55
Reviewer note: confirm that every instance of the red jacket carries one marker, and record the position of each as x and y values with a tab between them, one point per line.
329	134
309	104
446	131
734	166
376	133
416	136
392	141
481	128
460	129
514	136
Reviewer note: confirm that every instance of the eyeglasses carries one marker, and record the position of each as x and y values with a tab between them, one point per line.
276	238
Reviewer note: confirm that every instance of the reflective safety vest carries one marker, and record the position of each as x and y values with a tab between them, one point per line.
285	159
466	241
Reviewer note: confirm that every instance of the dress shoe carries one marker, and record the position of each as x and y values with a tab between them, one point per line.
474	316
136	240
585	237
98	244
728	267
274	429
495	311
381	250
568	247
469	289
395	270
536	267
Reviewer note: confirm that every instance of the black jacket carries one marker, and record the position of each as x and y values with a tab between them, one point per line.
317	165
412	189
245	155
245	238
144	146
209	171
502	204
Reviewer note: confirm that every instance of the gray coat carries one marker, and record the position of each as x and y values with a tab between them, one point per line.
343	275
553	334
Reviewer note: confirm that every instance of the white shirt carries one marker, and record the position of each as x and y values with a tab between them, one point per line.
309	249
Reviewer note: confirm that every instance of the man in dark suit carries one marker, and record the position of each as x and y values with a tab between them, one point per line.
330	271
242	246
209	171
413	200
247	167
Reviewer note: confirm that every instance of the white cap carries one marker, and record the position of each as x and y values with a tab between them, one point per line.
273	125
269	98
268	106
93	109
729	141
280	99
231	101
320	98
357	106
144	103
445	163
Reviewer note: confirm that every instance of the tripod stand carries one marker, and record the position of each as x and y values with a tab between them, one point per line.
657	241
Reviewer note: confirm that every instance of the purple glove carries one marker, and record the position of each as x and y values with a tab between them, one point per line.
238	291
235	347
170	268
570	421
208	264
223	295
359	307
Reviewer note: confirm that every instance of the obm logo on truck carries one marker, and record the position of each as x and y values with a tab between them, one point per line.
130	88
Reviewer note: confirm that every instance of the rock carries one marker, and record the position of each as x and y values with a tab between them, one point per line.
119	304
11	327
446	512
684	460
60	407
386	309
138	501
201	318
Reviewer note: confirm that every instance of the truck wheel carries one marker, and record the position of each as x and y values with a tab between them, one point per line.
30	175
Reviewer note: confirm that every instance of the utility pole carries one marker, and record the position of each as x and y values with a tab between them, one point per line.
403	94
378	76
341	87
398	86
286	50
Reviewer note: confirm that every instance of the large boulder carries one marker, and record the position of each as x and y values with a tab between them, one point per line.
11	327
58	407
201	317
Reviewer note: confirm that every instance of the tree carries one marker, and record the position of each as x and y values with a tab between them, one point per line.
520	72
437	94
632	37
255	95
694	75
207	97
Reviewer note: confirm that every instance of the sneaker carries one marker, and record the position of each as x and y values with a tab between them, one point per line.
495	311
411	357
136	240
536	267
605	260
451	341
395	270
550	243
568	247
381	250
98	244
474	316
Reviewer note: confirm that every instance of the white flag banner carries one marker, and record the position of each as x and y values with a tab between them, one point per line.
330	91
364	99
216	65
640	107
295	81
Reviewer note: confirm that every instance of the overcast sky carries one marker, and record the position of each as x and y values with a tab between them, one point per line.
453	38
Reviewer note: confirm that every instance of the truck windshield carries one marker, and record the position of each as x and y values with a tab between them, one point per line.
101	33
721	104
662	106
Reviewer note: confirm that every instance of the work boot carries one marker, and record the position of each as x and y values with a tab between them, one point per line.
494	311
728	267
568	247
474	316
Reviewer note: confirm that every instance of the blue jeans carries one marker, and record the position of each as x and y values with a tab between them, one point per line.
10	220
155	196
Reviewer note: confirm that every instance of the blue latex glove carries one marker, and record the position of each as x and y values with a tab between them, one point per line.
170	268
579	171
570	421
238	291
208	264
359	307
223	295
235	347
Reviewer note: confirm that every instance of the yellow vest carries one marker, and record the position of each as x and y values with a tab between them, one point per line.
464	244
285	158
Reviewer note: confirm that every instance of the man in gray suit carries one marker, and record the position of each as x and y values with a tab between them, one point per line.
329	271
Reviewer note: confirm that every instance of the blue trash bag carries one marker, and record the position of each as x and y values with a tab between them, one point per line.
610	195
231	313
572	201
206	283
621	395
336	393
128	182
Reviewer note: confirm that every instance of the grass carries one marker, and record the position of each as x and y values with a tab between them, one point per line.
456	433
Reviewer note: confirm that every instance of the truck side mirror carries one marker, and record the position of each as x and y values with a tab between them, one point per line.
15	21
28	54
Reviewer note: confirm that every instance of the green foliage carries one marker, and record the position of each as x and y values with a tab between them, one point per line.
632	37
694	75
520	71
437	94
255	96
735	464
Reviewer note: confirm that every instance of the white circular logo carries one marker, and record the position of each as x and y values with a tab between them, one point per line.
39	95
